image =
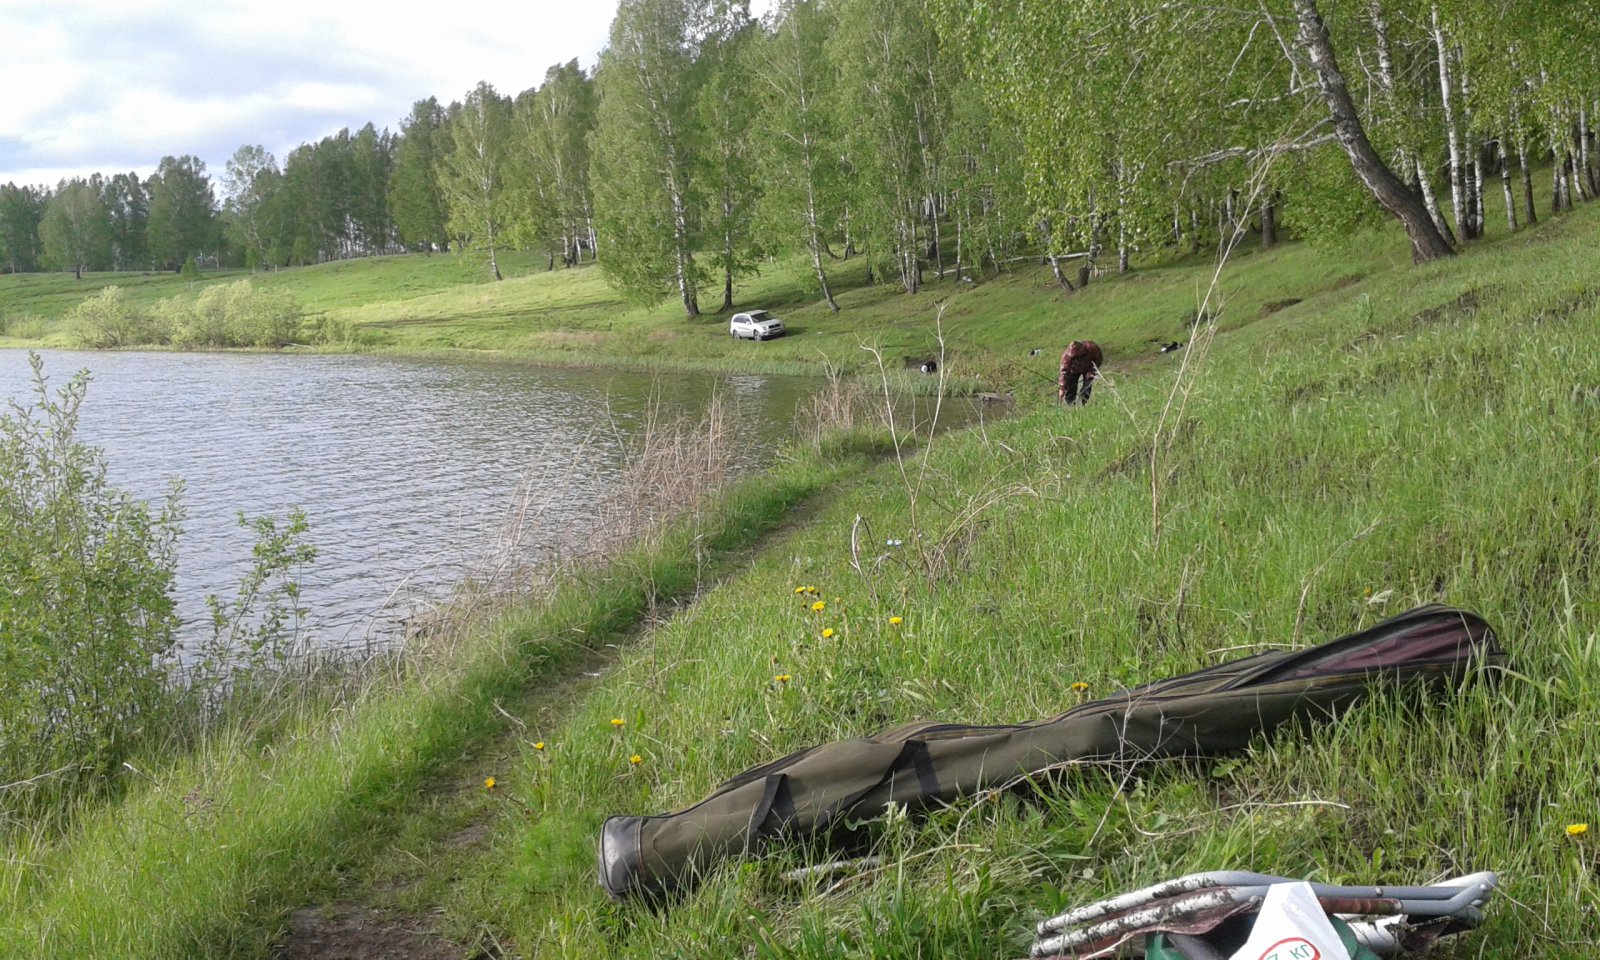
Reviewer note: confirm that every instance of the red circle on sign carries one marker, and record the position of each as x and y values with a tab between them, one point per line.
1292	948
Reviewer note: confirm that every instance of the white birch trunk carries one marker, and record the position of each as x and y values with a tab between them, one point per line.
1583	148
1457	200
1505	186
1431	201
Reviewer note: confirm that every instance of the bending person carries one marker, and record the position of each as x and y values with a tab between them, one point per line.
1080	365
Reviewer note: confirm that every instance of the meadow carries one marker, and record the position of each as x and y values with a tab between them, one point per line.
446	304
1344	436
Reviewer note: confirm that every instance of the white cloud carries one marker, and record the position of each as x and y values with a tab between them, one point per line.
113	85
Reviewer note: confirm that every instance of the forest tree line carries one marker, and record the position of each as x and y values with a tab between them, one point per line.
930	137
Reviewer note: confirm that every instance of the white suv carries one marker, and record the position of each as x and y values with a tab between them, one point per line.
756	325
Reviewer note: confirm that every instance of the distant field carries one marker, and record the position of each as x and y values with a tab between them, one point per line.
424	304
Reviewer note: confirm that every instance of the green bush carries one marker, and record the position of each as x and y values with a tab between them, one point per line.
172	320
259	317
23	326
339	331
86	616
106	320
237	314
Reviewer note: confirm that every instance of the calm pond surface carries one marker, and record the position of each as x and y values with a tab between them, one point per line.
407	470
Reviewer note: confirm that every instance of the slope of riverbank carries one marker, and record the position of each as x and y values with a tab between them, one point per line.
424	305
1400	435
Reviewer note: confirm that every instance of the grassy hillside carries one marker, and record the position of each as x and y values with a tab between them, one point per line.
421	304
1398	436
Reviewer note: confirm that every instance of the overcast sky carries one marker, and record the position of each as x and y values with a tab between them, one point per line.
114	85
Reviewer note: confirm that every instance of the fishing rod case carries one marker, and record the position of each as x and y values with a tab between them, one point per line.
924	765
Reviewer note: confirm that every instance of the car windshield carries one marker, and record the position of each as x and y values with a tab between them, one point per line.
761	316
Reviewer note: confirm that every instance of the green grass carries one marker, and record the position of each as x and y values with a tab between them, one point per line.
1429	434
1400	435
214	846
445	304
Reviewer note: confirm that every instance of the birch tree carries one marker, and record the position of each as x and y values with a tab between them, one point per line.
471	174
248	183
416	202
550	163
892	122
128	213
726	116
74	231
797	148
647	200
182	211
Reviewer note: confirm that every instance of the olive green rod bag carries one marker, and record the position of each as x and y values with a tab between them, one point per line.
924	765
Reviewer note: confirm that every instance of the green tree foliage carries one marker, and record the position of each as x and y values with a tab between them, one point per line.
75	232
127	206
549	164
371	167
21	209
893	115
987	202
247	187
726	119
911	130
473	171
647	199
182	211
796	145
86	613
310	208
416	203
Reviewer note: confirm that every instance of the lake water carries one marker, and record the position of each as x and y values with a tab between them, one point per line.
406	469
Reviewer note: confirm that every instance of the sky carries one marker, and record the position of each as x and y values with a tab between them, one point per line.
115	85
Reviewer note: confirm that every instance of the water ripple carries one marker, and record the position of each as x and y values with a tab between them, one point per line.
405	468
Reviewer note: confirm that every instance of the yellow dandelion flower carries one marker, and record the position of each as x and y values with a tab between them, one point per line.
1367	593
1079	686
488	783
782	678
827	632
617	721
539	745
636	759
819	606
895	621
799	589
811	589
1577	829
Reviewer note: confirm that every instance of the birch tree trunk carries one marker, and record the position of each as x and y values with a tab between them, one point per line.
1558	184
1580	159
1583	149
1457	200
1505	185
1527	180
682	269
1427	243
1430	201
1477	193
1474	168
814	236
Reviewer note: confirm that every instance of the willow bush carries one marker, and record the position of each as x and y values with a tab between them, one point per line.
86	615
